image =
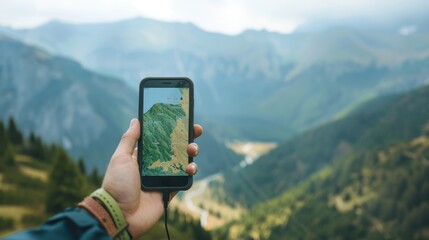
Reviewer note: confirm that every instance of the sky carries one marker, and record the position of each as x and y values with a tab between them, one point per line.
224	16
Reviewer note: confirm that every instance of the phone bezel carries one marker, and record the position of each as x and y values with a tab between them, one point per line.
165	182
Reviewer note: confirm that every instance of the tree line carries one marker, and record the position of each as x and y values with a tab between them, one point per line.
68	182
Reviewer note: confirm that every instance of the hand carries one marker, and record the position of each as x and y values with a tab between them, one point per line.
122	180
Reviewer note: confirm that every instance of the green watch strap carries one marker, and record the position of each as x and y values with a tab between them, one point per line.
114	210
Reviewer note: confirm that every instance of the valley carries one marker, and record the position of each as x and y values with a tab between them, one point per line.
359	170
251	151
207	202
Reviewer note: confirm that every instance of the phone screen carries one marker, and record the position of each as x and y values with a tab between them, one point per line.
165	131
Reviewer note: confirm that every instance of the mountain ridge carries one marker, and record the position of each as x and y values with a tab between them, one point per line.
294	160
86	112
234	72
41	102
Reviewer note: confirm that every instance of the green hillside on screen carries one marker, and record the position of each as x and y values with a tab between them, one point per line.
159	122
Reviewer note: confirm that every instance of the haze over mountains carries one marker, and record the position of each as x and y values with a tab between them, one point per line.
359	158
85	112
63	102
255	85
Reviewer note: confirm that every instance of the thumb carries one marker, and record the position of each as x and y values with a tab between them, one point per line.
129	139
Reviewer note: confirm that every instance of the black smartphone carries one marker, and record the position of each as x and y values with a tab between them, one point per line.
166	114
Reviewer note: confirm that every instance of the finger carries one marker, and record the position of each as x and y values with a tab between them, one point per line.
193	150
129	139
198	130
191	168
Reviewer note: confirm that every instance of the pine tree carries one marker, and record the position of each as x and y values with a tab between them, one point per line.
81	164
14	134
9	156
95	177
35	148
66	184
32	138
51	152
3	139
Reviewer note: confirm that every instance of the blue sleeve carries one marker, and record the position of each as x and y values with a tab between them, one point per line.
73	223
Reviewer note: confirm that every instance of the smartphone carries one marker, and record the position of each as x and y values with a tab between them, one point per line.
166	114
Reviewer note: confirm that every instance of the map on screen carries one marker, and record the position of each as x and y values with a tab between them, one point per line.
165	131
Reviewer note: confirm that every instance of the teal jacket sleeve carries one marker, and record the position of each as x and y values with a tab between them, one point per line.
73	223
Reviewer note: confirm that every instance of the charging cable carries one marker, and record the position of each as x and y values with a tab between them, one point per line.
166	199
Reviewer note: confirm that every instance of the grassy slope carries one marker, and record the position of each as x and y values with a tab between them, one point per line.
24	186
385	122
33	170
365	176
29	179
382	194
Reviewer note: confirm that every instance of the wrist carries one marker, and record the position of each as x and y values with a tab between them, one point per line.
106	210
142	218
99	213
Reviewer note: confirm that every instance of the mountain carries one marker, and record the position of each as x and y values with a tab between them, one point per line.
85	112
392	23
362	177
381	194
378	124
60	100
255	85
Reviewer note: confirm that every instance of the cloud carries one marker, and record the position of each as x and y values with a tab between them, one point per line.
226	16
230	17
30	13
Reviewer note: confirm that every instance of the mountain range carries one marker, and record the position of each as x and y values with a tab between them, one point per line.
58	99
257	85
85	112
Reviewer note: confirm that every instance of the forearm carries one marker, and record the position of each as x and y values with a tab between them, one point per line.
73	223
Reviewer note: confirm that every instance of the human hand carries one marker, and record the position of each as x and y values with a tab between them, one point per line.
122	180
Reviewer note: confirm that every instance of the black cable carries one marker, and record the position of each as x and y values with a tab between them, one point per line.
166	199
